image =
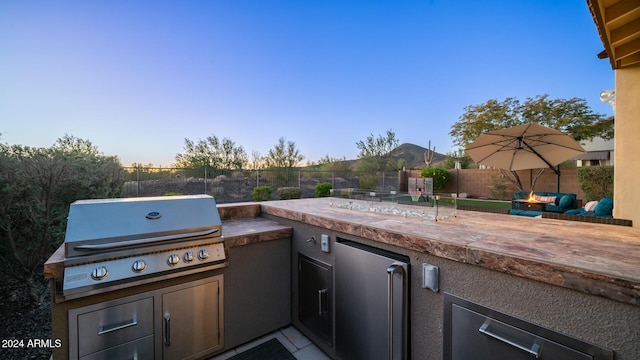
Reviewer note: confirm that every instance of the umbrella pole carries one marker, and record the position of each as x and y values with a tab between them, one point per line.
557	178
531	179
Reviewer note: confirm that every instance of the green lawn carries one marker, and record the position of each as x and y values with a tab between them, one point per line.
479	203
447	201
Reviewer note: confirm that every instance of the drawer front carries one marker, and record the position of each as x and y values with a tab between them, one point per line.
477	337
137	349
474	332
114	325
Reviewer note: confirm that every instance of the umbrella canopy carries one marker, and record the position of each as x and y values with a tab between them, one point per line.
529	146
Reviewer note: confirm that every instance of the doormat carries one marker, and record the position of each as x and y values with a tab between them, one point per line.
271	350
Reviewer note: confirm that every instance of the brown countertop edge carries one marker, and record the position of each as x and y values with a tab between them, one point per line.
602	260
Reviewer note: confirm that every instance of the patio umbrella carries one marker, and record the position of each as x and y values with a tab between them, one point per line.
529	146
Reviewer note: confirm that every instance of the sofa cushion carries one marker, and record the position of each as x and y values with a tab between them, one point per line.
575	211
604	207
530	213
566	201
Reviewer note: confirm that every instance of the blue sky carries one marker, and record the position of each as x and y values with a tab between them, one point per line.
138	77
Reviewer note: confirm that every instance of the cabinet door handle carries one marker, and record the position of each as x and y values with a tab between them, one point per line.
322	293
167	329
115	327
534	349
393	269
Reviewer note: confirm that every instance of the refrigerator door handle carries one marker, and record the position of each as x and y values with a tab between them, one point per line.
322	293
391	270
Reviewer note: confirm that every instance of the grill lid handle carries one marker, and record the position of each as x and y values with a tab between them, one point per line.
139	242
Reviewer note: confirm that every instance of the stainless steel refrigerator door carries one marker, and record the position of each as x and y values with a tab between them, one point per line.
364	277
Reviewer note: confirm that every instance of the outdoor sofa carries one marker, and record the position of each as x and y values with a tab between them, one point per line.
558	203
602	208
600	212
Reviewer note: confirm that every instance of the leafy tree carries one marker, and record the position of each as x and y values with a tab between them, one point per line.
439	175
138	171
256	162
402	164
375	153
568	115
330	160
572	116
340	167
458	155
37	185
283	155
212	152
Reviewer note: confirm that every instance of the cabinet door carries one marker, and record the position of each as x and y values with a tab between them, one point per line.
314	295
191	321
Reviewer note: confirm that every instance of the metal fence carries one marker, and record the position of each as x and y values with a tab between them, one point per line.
229	186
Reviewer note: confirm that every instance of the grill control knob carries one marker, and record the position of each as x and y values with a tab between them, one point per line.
203	254
173	259
139	266
188	256
99	273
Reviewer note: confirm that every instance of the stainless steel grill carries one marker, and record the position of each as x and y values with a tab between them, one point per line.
116	243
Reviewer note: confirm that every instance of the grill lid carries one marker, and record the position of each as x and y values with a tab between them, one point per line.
108	224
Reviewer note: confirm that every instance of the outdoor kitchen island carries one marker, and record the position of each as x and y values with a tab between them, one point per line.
577	279
580	280
216	309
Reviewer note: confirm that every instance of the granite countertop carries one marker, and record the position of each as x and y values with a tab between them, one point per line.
598	259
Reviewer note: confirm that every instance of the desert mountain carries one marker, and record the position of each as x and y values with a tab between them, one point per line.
414	155
411	153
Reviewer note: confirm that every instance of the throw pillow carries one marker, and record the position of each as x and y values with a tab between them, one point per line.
604	207
591	205
545	199
566	201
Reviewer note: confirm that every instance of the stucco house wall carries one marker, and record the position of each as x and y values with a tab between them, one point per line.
627	144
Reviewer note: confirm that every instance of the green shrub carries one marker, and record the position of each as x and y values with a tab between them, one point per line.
367	181
262	193
499	189
596	181
440	177
289	192
323	189
171	193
